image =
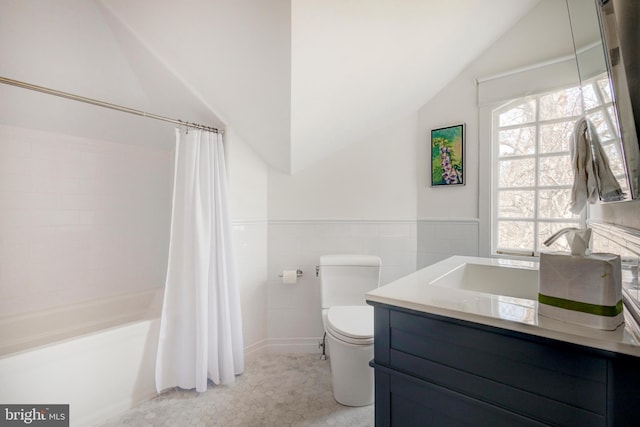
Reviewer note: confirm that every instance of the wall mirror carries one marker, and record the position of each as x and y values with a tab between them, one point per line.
605	34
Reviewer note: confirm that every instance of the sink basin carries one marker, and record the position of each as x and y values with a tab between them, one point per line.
492	279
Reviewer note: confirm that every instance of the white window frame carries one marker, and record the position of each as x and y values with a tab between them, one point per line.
496	90
579	221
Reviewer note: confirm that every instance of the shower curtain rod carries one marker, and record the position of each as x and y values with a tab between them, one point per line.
105	104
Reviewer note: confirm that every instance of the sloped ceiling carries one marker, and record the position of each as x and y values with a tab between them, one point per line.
358	65
297	79
72	46
233	54
301	79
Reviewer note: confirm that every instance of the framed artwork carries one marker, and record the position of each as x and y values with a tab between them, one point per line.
447	156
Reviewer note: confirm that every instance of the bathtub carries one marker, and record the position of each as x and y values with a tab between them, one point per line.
98	357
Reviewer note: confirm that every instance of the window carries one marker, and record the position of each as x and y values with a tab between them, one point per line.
532	174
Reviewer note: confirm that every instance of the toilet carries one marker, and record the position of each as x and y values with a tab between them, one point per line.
348	324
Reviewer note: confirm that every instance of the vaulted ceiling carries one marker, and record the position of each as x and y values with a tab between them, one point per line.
297	79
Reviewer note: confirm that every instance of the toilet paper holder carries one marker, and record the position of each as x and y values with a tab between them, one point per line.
298	273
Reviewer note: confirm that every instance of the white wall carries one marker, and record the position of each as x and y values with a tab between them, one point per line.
362	199
371	197
84	218
81	215
541	35
247	175
439	239
374	196
248	206
372	179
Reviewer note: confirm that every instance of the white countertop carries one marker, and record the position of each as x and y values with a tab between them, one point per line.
515	314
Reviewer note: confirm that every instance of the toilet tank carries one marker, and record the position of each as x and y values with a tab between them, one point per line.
345	279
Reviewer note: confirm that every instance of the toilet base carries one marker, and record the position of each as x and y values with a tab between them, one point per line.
351	376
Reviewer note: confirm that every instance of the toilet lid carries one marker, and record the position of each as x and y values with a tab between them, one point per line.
351	323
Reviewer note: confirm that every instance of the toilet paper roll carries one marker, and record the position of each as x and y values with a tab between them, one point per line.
290	276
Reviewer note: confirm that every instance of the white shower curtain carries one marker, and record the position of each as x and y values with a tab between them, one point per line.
201	326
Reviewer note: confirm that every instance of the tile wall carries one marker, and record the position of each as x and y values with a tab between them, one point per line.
250	247
440	239
624	241
294	320
83	219
79	219
294	313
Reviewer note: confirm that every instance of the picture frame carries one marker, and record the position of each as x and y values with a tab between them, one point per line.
447	156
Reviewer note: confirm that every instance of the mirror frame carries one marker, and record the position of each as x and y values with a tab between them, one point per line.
619	20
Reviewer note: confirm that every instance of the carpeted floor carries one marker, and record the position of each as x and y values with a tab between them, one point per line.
275	390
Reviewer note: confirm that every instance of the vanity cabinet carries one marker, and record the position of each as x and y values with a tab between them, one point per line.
439	371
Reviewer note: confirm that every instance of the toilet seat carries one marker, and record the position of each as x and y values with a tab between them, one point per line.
352	324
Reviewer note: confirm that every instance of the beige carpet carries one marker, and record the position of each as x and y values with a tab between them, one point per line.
275	390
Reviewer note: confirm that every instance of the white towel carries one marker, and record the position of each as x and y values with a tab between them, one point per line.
591	172
608	185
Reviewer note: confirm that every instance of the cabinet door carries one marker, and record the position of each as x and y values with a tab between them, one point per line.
525	376
419	403
447	372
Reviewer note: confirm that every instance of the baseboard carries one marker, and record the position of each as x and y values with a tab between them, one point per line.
104	413
255	350
283	345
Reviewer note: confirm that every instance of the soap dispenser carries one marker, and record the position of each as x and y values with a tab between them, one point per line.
578	287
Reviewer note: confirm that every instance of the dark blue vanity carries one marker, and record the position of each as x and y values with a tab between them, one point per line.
432	370
450	351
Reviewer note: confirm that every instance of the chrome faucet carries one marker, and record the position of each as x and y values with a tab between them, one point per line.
578	239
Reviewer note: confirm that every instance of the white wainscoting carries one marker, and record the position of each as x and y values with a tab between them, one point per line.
617	239
439	239
287	317
294	311
624	241
250	247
